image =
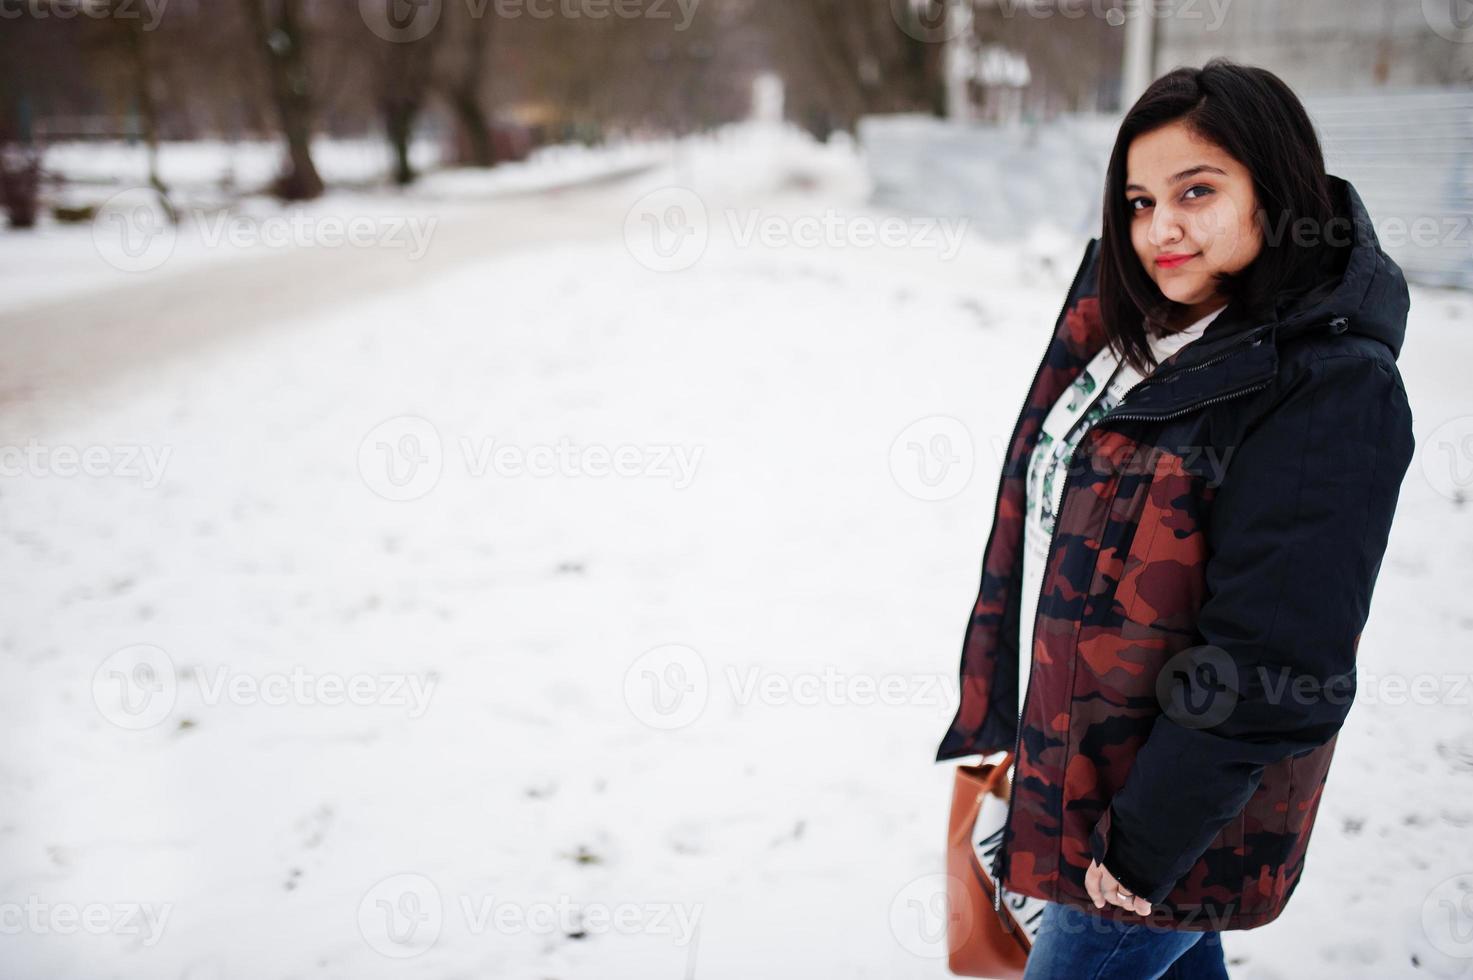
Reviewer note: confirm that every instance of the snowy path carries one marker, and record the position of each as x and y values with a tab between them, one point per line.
73	342
674	721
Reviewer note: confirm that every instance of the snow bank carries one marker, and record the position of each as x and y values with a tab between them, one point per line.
1010	181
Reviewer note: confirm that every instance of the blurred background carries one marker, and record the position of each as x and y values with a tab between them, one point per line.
495	488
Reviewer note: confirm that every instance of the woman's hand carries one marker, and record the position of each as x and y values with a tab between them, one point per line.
1103	887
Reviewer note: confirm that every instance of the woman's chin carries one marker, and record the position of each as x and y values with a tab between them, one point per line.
1181	293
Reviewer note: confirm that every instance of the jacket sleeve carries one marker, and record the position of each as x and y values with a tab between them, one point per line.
1296	534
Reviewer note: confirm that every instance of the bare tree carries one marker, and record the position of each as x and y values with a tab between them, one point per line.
852	57
279	31
465	85
138	61
20	181
403	75
20	158
1074	56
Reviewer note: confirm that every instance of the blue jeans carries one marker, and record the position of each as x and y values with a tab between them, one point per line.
1072	944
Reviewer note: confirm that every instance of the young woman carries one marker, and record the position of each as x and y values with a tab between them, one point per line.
1190	521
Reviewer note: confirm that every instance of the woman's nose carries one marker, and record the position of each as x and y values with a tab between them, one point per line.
1166	228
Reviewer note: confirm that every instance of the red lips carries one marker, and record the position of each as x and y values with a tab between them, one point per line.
1172	261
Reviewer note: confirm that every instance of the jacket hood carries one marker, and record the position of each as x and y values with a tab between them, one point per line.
1364	292
1359	290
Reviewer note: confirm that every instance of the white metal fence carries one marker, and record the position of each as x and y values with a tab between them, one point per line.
1409	152
1410	155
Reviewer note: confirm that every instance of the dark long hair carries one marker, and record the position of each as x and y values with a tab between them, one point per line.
1256	119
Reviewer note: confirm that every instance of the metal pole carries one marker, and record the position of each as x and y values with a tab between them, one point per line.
957	61
1139	69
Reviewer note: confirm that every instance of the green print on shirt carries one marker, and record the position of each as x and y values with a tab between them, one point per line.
1057	452
1083	387
1040	466
1096	411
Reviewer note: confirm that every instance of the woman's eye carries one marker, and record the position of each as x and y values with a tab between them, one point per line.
1141	203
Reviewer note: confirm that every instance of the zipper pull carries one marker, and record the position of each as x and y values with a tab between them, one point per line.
997	890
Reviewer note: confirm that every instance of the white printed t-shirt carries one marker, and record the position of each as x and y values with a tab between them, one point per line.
1078	408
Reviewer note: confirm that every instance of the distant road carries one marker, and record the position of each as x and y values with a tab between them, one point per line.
50	350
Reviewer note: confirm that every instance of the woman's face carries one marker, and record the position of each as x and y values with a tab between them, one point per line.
1192	215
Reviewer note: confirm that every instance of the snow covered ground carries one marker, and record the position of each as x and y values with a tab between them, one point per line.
216	189
584	598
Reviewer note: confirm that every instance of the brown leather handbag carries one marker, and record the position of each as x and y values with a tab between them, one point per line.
985	937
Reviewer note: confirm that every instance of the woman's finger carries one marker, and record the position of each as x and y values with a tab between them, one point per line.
1117	893
1104	887
1092	884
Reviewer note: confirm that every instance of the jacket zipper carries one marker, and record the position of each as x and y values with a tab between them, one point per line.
1152	379
1023	698
997	859
1190	408
1017	423
987	548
